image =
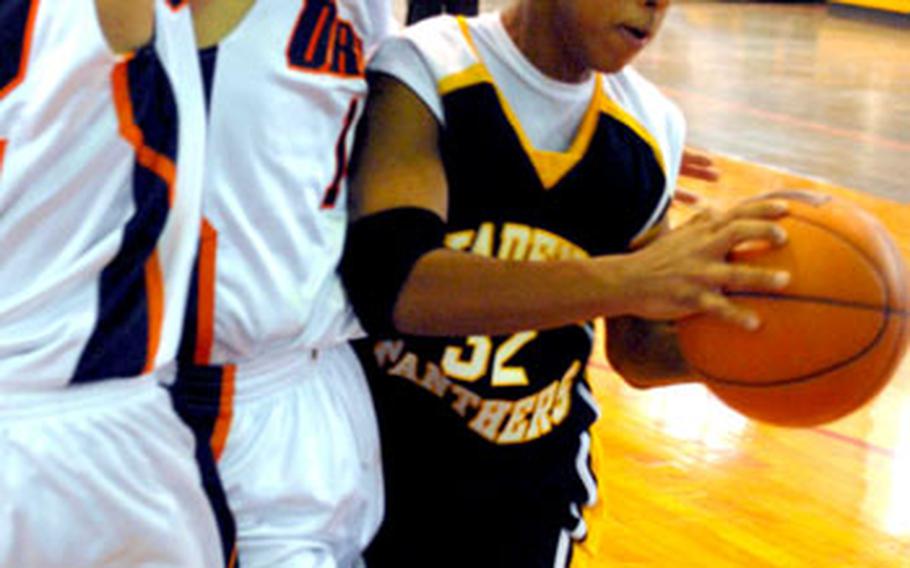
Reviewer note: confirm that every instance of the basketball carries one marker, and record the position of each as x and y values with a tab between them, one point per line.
830	340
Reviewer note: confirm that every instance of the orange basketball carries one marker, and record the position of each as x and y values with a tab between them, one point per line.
830	340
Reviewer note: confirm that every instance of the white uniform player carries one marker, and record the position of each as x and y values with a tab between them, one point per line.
288	411
100	190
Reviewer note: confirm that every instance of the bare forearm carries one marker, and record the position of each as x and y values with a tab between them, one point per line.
453	293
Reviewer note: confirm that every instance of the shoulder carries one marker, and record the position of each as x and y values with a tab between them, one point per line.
642	98
440	42
422	56
644	107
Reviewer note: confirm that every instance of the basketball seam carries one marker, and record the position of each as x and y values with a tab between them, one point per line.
886	311
821	300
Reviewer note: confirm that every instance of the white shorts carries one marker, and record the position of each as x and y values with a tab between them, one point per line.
300	465
101	475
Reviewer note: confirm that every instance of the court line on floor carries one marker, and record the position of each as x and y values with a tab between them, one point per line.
782	118
854	441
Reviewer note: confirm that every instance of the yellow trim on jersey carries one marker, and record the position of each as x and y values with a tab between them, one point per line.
896	6
551	166
610	107
466	32
473	75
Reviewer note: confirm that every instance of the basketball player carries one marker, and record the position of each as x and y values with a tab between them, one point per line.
509	165
100	189
268	375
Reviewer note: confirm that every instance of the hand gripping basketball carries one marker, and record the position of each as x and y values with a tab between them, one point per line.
830	339
684	271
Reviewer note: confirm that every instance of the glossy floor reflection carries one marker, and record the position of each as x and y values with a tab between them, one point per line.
793	86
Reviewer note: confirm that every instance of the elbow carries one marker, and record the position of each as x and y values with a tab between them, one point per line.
645	354
634	373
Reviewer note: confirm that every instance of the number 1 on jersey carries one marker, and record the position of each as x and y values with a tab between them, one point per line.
341	159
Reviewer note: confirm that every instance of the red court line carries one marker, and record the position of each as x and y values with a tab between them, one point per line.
851	440
782	118
858	442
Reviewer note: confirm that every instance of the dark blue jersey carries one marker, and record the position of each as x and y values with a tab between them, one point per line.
485	437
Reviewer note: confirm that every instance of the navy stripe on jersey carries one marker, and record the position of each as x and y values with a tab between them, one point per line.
123	340
196	396
208	57
341	159
189	336
15	19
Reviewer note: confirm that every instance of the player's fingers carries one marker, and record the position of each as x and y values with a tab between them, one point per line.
806	196
743	230
763	209
704	174
698	166
720	306
692	158
742	277
686	197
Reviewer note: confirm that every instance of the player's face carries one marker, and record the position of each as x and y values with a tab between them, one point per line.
607	34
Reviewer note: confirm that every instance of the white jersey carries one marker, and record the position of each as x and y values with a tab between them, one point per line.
99	194
550	112
286	89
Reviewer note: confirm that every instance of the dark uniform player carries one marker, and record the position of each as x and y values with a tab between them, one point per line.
478	357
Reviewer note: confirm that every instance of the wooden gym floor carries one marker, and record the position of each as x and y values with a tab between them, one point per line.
783	96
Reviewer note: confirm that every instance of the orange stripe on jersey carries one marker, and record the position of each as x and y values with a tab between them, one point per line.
205	313
317	34
225	412
158	163
26	50
154	287
232	561
2	153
